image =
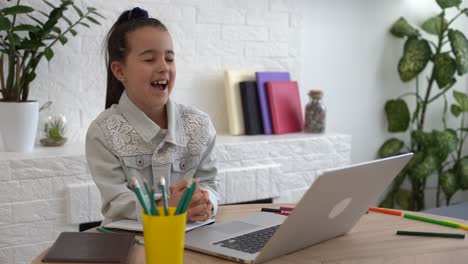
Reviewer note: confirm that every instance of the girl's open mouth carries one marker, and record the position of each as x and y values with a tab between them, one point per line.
161	84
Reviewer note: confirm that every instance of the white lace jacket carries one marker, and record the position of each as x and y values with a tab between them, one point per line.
122	142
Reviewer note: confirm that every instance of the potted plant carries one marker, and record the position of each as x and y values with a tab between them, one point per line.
28	35
437	153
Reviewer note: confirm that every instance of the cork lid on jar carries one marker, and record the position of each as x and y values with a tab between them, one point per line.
315	94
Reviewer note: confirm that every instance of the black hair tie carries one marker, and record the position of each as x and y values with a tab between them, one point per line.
137	12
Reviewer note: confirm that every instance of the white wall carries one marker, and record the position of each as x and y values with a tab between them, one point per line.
348	53
209	35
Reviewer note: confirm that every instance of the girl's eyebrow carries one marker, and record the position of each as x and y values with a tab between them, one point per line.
153	51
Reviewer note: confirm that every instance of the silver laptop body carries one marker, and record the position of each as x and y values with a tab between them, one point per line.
330	208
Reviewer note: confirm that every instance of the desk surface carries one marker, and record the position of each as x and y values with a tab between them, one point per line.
372	240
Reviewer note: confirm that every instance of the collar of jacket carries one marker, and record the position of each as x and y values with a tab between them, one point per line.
148	129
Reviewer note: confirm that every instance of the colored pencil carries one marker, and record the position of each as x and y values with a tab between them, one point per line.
162	186
430	220
136	188
385	211
149	192
429	234
462	226
193	187
271	210
287	209
181	204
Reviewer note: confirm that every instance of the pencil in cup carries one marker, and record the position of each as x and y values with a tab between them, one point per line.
140	196
186	198
164	237
162	186
150	193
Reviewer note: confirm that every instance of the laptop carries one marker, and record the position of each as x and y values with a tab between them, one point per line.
332	205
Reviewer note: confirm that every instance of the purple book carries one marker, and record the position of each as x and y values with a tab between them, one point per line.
262	78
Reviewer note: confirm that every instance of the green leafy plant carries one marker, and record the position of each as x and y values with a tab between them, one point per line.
24	44
436	152
54	129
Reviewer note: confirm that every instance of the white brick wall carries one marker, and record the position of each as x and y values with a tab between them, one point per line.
50	190
209	37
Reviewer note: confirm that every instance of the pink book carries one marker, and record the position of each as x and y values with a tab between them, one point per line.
285	107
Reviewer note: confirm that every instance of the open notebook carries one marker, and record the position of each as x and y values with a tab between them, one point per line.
133	225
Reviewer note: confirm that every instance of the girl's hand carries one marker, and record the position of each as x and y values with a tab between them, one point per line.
200	206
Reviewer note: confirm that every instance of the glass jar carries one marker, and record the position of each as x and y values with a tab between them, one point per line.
52	127
315	113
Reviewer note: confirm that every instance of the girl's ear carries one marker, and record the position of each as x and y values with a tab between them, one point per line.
118	71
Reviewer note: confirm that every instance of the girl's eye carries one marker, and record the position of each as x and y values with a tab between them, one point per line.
170	59
149	60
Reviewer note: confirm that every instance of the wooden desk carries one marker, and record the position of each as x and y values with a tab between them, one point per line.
372	240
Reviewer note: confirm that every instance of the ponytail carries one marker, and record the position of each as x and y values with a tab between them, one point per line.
117	48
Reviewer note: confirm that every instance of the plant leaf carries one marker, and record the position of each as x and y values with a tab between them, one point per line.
48	53
459	45
5	23
456	110
462	100
398	115
403	199
24	27
63	40
17	9
462	173
401	28
73	32
445	68
67	20
417	54
36	20
80	13
435	25
391	147
93	20
448	3
424	169
448	182
49	4
444	142
423	139
84	24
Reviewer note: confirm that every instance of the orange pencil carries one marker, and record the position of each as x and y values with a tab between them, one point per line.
385	211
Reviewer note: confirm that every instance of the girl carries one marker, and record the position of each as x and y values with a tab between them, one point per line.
143	133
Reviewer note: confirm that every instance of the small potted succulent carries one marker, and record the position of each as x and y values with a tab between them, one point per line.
54	130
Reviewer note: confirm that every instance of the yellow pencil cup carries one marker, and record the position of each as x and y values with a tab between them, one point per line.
164	237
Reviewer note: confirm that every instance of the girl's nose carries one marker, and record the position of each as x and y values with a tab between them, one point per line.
162	66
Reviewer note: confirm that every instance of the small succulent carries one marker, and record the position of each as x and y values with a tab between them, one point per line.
54	131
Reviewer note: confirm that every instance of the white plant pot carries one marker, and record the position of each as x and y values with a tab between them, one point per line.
18	125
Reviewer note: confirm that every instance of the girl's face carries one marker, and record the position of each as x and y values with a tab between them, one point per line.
148	72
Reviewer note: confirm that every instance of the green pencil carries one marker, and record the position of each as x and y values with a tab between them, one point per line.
181	204
136	188
154	210
193	187
430	220
430	234
162	186
103	230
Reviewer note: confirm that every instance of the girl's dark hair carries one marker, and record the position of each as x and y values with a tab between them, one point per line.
117	46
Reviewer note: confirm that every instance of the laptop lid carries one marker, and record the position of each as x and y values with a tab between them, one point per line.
330	208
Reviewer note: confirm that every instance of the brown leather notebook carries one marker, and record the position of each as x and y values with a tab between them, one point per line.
90	248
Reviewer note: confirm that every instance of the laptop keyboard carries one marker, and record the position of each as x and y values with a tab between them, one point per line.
251	242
